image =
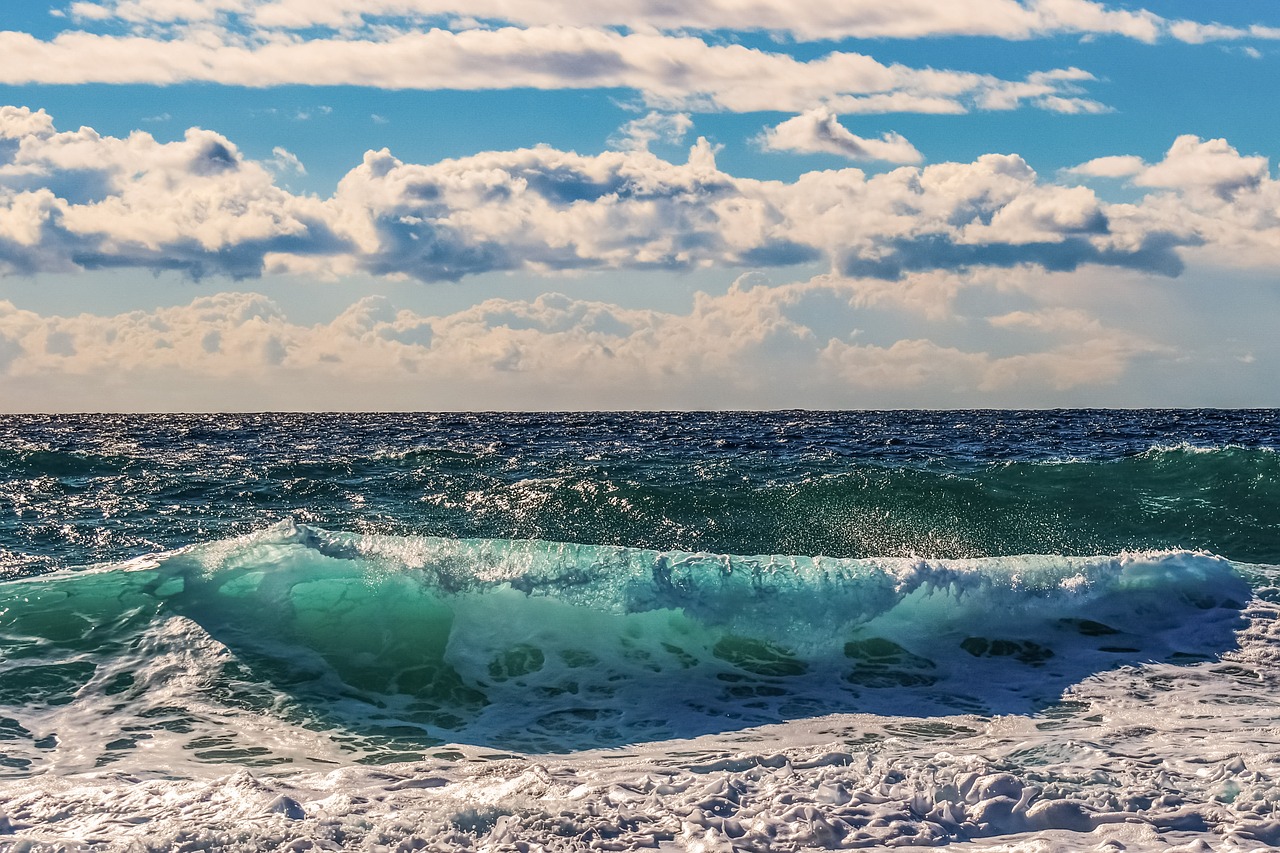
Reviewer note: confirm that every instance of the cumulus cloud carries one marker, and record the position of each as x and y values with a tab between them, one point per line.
1010	19
1203	192
1191	164
1207	166
818	131
752	345
80	200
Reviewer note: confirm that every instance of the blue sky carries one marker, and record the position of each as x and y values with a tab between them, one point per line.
417	204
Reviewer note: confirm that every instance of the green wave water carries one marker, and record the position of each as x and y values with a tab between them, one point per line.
392	644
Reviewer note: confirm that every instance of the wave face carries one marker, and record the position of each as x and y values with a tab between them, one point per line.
76	491
377	647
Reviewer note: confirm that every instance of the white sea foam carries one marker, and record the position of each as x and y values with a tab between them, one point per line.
1157	757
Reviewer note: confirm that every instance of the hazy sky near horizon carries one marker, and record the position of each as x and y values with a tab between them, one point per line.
542	204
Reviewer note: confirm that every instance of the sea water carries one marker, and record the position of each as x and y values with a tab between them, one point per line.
751	631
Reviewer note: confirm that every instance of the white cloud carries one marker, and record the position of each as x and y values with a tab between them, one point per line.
1071	106
1205	165
818	131
1207	194
1194	32
1045	214
1191	164
283	160
1057	90
671	72
196	204
1118	166
20	122
1049	320
1008	19
638	134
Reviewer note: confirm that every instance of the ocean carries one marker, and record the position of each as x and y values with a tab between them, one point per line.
987	630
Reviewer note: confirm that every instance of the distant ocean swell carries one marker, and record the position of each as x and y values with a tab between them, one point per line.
1223	499
379	647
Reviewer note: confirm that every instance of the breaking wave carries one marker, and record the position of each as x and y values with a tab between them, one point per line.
374	647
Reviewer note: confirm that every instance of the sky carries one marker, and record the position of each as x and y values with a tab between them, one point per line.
249	205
